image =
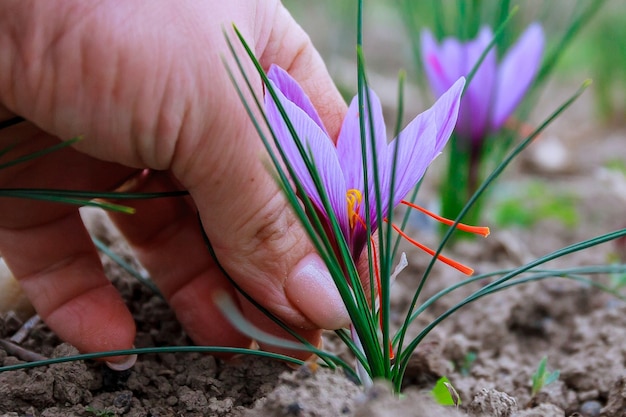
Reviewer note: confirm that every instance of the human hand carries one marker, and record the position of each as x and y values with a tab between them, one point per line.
144	83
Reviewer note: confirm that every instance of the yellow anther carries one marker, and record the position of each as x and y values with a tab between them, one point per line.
354	198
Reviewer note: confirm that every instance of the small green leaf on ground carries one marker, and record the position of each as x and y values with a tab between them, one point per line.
445	394
542	377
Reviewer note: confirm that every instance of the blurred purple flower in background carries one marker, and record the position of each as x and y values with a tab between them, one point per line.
496	89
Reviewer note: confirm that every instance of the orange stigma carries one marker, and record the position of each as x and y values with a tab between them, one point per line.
454	264
354	198
479	230
483	231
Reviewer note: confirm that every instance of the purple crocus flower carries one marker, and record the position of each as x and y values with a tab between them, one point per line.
496	89
340	167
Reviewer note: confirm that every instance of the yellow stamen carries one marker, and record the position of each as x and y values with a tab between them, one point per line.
479	230
354	198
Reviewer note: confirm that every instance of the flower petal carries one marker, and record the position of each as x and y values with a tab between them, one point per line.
351	159
422	140
445	113
476	104
416	144
442	64
320	148
294	93
377	126
349	143
349	147
517	71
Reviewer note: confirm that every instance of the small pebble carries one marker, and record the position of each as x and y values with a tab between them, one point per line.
293	409
549	155
123	400
590	408
11	321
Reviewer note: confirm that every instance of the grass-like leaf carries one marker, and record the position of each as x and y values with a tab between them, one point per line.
146	281
148	350
40	153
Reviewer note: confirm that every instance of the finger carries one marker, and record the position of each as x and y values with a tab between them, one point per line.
265	250
255	233
60	272
48	249
166	236
309	287
174	116
263	246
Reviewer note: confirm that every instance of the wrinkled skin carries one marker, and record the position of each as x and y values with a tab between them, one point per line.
145	85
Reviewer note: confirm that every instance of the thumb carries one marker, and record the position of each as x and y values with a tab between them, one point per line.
259	239
309	285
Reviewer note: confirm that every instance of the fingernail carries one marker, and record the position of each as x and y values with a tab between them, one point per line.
311	288
127	362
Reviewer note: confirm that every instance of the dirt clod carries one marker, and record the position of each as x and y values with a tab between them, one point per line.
490	402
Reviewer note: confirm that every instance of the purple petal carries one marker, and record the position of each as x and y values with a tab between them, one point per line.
476	104
442	64
416	144
292	91
423	139
349	147
517	71
445	113
380	145
349	143
315	141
